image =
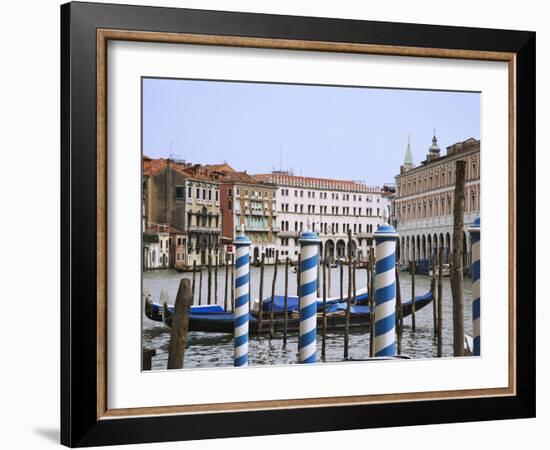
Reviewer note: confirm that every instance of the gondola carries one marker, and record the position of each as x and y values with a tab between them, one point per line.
213	319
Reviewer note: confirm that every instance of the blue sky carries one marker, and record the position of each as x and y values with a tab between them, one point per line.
324	131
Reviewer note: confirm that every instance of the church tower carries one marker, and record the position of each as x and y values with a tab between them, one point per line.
434	150
408	163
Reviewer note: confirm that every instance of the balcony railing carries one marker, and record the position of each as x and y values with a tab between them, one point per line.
289	233
201	229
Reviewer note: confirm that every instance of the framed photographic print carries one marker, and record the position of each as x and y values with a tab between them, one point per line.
276	224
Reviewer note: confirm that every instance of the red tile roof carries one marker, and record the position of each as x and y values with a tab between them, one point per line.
163	228
313	182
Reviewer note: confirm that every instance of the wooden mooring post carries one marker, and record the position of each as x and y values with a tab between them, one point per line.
348	305
147	357
324	342
217	261
285	330
261	295
341	266
434	294
233	282
399	310
413	294
457	274
272	304
372	294
200	285
193	282
440	305
180	325
225	294
209	286
329	280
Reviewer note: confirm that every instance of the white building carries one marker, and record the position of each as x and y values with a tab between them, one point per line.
156	244
332	207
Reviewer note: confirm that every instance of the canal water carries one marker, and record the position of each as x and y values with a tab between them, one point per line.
216	349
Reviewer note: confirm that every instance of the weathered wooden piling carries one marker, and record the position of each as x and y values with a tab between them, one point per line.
354	280
209	286
272	305
233	282
216	279
372	295
399	310
319	273
298	276
193	282
457	274
348	306
147	357
341	281
225	294
329	280
285	330
324	343
434	294
180	325
200	285
261	295
440	305
413	294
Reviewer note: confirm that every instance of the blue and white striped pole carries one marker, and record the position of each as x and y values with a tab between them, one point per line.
242	281
309	256
475	229
385	238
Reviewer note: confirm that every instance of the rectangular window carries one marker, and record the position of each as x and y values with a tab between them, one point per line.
179	192
189	192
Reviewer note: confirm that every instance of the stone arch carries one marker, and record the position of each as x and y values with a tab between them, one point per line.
340	248
329	249
448	248
423	248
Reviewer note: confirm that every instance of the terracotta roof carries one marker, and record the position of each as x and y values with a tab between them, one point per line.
163	228
313	182
153	167
210	172
221	173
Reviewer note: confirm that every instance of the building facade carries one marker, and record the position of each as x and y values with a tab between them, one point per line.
330	208
182	197
250	204
424	200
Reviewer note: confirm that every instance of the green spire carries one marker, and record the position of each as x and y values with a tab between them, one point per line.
408	154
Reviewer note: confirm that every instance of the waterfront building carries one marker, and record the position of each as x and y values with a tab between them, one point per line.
249	203
156	240
424	199
332	207
182	196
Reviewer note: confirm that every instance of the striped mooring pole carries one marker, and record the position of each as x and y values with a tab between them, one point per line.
475	229
309	256
385	239
242	281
